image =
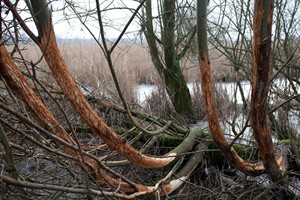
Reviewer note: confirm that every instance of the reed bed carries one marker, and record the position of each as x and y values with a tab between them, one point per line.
133	66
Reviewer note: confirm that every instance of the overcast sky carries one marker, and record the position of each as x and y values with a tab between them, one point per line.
114	18
67	25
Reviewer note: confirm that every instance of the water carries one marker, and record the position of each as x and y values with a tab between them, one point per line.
144	91
233	94
230	89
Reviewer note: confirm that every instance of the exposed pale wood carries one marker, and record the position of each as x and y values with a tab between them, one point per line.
61	73
210	109
17	82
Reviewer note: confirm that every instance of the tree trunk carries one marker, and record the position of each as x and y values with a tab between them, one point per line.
210	109
262	27
170	71
174	79
262	43
55	61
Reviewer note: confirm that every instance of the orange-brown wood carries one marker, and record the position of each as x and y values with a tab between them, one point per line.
214	124
17	82
262	27
61	73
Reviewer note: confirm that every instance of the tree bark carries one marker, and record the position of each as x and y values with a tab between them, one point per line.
173	76
170	71
55	61
210	109
262	28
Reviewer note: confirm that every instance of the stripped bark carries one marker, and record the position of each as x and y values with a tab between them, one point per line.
214	125
48	45
210	109
259	92
17	82
262	28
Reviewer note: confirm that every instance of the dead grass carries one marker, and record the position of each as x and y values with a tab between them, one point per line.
158	103
133	66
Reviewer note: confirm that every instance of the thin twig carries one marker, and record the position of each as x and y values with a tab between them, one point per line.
22	23
283	66
281	104
107	53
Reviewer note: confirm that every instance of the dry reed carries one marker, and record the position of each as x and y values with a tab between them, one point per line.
133	66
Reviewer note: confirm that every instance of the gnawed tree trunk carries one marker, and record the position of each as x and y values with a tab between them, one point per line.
262	28
53	57
210	109
260	84
17	82
23	90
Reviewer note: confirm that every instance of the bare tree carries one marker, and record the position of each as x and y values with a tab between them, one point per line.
94	167
168	64
102	166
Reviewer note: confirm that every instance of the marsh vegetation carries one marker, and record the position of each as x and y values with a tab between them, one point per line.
75	122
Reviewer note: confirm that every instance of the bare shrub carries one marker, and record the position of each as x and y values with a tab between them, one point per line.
222	101
190	68
198	100
222	71
159	103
